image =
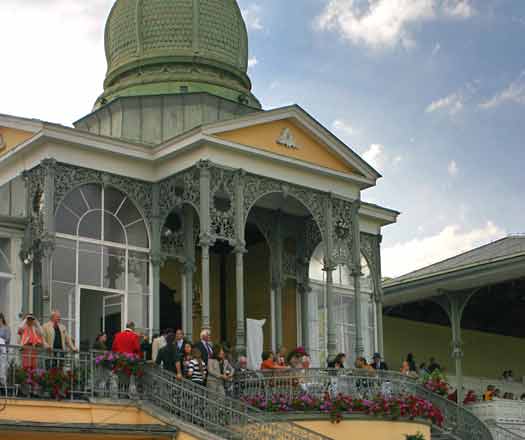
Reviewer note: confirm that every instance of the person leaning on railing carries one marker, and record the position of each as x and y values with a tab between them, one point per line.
56	335
220	372
268	362
183	361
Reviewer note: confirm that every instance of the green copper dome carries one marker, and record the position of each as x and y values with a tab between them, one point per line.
157	47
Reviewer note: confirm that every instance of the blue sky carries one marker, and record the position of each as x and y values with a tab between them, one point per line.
431	92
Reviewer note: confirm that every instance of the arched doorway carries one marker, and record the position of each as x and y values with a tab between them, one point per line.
179	272
280	266
100	269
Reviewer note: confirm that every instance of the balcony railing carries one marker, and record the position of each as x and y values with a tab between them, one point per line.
359	384
479	385
33	373
42	373
26	372
223	416
501	433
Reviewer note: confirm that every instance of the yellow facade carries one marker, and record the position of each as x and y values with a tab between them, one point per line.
28	435
308	149
486	354
36	411
11	137
367	430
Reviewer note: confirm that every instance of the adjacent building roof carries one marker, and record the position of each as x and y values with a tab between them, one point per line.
503	248
492	263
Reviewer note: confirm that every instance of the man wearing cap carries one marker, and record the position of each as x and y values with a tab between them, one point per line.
377	364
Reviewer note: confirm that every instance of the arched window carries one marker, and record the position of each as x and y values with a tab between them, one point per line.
119	221
102	247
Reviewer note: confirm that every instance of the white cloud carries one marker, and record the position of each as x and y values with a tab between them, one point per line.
343	127
386	23
252	62
375	156
56	69
514	93
453	168
436	49
452	104
458	8
405	257
252	17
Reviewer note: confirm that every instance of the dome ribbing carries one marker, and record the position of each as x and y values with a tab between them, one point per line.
156	47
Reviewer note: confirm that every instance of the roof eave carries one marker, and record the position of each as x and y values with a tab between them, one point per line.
473	276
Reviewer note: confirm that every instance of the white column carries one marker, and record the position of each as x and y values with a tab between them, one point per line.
240	250
205	240
329	268
239	281
188	272
356	274
304	291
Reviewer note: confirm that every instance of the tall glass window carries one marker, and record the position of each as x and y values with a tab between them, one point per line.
102	246
5	275
344	304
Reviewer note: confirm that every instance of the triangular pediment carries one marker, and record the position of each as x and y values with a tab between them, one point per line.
292	133
11	137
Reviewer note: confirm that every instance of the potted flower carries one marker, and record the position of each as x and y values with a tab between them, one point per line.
436	382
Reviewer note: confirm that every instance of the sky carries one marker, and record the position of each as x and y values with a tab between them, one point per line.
430	92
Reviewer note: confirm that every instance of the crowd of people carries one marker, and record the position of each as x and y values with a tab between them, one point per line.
493	393
203	363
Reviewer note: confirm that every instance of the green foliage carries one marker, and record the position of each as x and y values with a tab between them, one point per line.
417	436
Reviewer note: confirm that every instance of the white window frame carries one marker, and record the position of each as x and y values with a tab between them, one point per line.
77	240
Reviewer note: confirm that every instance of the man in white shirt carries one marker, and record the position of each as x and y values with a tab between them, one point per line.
205	346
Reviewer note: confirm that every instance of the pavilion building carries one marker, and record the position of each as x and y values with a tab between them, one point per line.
179	201
471	307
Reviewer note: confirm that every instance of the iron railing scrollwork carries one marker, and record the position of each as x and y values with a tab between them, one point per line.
220	415
458	421
501	433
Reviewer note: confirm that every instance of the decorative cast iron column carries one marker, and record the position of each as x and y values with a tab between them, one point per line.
329	269
454	303
156	258
205	239
47	241
277	279
377	276
356	275
188	272
240	250
304	289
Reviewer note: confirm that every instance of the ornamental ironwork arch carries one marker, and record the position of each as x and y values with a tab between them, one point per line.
173	228
256	187
370	250
178	190
68	178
